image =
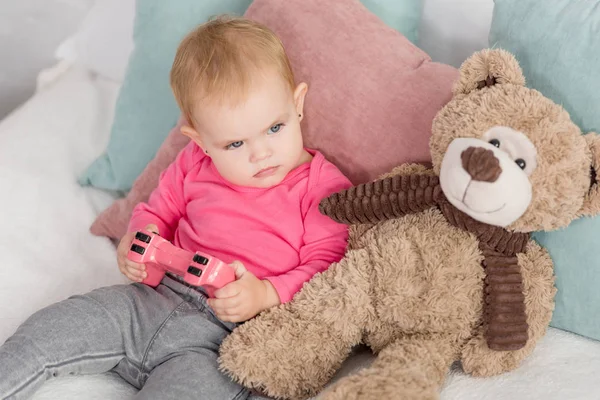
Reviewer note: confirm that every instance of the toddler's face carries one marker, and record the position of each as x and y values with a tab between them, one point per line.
257	142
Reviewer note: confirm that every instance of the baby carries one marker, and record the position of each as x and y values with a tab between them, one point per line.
245	190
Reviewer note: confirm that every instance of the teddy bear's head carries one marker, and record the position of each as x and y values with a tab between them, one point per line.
502	154
508	156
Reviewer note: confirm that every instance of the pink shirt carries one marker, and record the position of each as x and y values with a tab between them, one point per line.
278	233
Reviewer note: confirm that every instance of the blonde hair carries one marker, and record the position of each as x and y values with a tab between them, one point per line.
219	58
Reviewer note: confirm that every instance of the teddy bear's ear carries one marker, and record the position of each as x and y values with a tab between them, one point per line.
487	68
591	204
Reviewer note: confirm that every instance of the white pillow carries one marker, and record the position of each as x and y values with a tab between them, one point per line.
105	39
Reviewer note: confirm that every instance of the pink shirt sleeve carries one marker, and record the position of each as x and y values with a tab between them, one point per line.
324	239
166	203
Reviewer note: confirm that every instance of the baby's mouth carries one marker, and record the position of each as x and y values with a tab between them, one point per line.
266	172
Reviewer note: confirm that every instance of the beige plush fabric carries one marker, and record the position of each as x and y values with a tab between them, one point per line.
412	287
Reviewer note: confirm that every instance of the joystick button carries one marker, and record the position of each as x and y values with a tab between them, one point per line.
143	237
200	260
194	271
138	249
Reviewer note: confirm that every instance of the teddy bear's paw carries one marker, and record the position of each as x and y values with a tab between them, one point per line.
479	360
365	386
281	355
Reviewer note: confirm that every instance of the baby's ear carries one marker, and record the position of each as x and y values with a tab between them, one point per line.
487	68
189	131
591	204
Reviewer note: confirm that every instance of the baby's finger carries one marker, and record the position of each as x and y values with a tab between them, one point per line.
230	290
123	261
134	265
129	275
237	316
226	314
123	247
221	312
125	244
138	271
152	228
136	274
135	278
228	303
230	318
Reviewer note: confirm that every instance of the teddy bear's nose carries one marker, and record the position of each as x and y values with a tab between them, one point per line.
481	164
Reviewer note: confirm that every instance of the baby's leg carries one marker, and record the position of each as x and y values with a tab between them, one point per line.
74	336
190	375
84	334
181	362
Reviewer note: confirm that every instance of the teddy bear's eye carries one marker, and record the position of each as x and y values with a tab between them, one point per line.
521	163
495	142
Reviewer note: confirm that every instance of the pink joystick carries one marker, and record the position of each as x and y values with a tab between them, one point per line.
159	255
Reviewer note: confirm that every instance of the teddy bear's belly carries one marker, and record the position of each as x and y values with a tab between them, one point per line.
429	276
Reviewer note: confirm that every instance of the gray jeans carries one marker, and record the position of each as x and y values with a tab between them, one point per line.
164	341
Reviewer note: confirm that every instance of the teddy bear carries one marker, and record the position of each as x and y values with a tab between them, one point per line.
440	266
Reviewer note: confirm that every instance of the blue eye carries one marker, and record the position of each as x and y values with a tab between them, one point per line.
275	128
234	145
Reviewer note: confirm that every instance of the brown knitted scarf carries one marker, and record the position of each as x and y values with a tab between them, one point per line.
504	318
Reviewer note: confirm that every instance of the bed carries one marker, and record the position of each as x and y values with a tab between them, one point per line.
49	254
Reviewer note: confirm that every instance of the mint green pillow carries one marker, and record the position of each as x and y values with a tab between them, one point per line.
557	44
576	255
404	16
146	110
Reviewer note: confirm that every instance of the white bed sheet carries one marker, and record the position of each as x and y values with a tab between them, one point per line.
48	253
46	249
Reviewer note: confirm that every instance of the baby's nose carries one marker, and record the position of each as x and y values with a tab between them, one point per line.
260	154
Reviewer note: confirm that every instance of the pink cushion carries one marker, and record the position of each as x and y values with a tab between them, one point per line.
371	100
372	93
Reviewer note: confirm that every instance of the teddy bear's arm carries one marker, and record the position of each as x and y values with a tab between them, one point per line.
386	198
538	288
292	351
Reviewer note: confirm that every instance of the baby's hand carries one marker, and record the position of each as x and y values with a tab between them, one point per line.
244	298
133	271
